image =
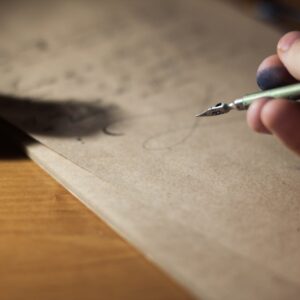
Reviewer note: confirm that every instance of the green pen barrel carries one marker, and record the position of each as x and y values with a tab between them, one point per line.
291	92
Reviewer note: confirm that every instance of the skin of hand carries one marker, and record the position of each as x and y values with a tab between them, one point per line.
279	117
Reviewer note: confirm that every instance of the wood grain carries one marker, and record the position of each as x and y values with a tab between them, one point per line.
52	247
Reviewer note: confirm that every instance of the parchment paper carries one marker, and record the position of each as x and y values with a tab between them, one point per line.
112	87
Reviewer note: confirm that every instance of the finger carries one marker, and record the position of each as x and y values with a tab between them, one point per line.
254	116
288	50
272	73
282	118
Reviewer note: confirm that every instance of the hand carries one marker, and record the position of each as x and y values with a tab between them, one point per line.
279	117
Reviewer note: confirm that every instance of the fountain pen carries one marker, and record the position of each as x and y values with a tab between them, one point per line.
291	92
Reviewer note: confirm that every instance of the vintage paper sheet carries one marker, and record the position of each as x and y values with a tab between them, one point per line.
112	88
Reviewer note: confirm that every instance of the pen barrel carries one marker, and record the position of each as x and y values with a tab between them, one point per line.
291	92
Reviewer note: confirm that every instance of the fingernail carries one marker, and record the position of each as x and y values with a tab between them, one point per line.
288	40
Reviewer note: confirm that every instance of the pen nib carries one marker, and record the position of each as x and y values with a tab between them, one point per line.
218	109
203	114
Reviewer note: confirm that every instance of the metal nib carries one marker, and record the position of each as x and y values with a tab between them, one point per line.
218	109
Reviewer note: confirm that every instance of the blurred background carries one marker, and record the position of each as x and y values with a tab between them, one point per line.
284	14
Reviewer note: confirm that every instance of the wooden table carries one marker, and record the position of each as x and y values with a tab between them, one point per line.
52	247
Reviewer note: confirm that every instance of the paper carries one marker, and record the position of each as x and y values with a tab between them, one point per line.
113	86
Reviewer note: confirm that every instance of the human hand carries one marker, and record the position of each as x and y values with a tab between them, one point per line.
279	117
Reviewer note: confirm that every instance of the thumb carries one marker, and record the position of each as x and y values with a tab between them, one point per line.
288	49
